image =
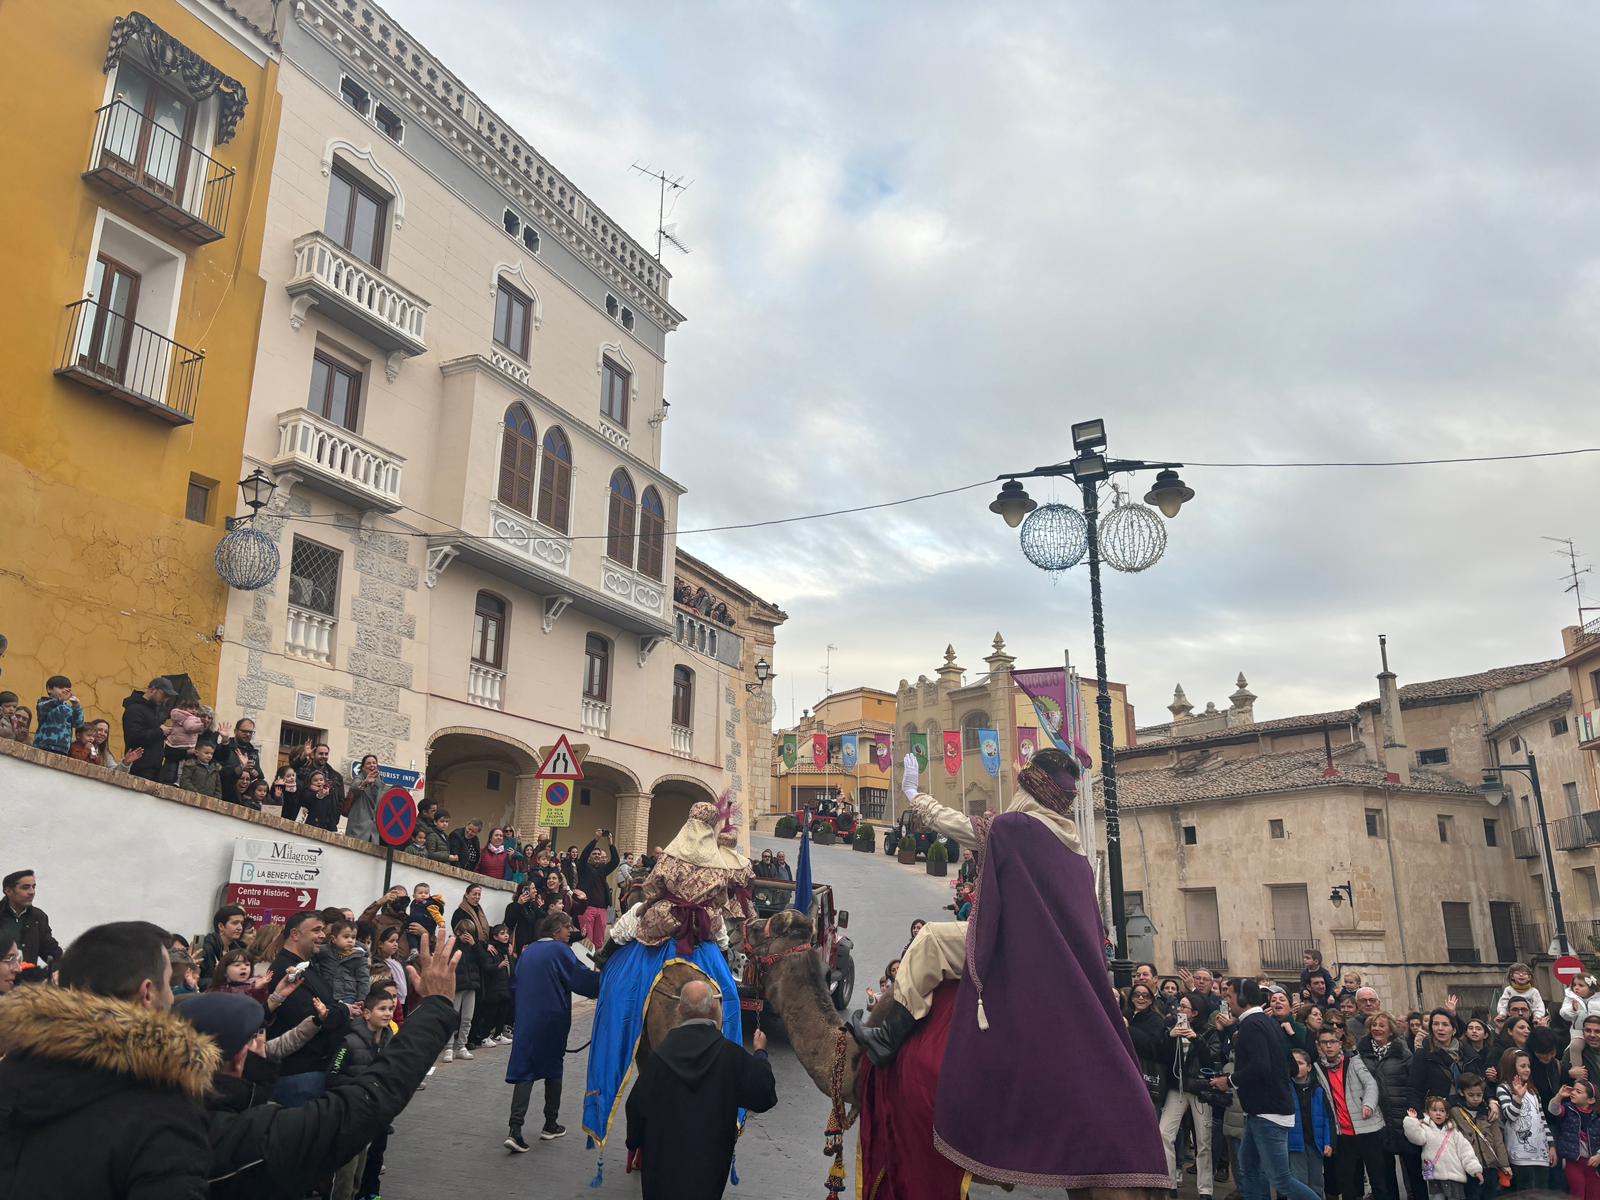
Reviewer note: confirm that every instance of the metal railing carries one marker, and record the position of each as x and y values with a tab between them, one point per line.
1575	832
872	810
1588	634
1524	843
1192	955
174	181
1286	954
1463	954
109	352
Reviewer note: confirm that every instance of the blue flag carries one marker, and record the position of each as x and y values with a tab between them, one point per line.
802	870
848	749
989	747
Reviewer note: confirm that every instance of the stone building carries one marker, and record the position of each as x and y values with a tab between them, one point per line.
1236	838
459	389
863	711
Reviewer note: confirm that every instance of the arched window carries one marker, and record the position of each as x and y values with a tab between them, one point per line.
620	520
970	725
555	480
652	533
596	668
519	451
489	631
683	697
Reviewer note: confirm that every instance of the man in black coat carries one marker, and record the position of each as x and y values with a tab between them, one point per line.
303	1076
142	716
466	847
319	763
27	924
260	1150
683	1112
100	1084
239	754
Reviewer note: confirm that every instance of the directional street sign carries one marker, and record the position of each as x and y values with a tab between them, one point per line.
280	861
396	817
560	762
271	905
555	803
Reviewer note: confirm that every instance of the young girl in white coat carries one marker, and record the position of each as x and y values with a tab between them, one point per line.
1448	1160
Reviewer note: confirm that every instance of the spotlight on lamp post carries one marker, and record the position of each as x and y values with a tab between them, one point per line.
1056	537
1494	790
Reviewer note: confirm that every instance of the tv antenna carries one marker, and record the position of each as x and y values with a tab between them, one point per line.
1574	575
827	670
665	233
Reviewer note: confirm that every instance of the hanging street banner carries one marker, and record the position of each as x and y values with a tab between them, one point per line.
819	751
791	750
882	751
848	749
919	747
989	746
1027	743
555	803
952	752
282	862
1048	691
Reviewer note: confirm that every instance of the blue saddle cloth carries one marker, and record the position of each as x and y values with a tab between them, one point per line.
626	992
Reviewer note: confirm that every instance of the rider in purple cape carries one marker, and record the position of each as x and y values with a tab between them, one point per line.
1063	1104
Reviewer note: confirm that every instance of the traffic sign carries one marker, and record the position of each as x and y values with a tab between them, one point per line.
1567	968
396	817
390	776
560	762
555	804
278	861
269	904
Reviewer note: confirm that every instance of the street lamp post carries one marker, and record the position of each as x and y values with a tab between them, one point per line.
1493	786
1089	468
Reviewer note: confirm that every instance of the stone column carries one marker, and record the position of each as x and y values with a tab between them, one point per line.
633	822
527	806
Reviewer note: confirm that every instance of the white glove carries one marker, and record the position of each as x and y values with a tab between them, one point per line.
909	784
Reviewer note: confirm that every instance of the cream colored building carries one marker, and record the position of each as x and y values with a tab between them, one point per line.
1237	835
459	391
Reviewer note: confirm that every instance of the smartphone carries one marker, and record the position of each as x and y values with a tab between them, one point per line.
1182	1022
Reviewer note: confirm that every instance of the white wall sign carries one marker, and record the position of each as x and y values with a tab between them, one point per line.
277	860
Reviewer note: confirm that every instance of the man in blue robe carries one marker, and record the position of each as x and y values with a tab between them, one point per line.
548	973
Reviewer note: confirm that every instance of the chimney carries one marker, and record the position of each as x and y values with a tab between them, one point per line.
1180	708
1243	704
1396	759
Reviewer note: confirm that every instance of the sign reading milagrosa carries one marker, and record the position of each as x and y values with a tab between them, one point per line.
280	861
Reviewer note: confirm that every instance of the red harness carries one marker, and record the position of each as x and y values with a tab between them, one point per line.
766	960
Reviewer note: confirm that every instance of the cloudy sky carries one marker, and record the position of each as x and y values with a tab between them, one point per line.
928	237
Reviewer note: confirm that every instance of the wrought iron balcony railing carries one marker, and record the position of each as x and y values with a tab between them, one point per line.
109	352
153	168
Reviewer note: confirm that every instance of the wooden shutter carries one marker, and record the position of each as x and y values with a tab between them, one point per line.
1200	921
1291	912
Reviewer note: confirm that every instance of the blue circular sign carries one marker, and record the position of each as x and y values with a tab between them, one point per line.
557	793
397	817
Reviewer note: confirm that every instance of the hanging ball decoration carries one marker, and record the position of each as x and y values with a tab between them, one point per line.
1132	538
247	559
1055	537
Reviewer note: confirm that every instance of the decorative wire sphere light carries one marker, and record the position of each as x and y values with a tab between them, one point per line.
247	559
1055	537
1132	538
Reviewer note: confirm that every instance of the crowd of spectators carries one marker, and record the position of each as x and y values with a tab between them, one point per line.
1331	1093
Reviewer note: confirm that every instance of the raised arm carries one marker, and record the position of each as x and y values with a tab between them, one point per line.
946	822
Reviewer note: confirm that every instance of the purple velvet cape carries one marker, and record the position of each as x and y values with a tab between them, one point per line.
1049	1094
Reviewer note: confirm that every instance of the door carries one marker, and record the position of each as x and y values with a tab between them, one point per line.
147	138
1200	923
1503	924
107	335
1291	913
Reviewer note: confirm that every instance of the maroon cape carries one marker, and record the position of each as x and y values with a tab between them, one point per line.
898	1160
1049	1094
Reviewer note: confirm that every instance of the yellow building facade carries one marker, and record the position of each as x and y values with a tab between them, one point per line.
863	711
139	159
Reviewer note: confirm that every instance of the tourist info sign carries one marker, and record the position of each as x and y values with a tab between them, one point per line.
283	862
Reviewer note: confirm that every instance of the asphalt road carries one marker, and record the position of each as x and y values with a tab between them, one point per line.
448	1143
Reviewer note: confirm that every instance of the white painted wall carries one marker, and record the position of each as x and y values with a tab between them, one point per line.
105	851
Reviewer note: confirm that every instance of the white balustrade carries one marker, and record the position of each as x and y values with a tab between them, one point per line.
682	741
331	452
323	266
310	635
596	717
486	686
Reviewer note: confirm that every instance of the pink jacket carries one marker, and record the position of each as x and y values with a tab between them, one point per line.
186	727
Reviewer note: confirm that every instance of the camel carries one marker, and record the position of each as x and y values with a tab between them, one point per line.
794	985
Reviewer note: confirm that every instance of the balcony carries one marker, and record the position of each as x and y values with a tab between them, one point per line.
682	741
527	539
310	635
175	183
1588	635
1193	955
645	594
330	457
1575	832
109	353
486	686
596	717
1524	843
1285	954
359	296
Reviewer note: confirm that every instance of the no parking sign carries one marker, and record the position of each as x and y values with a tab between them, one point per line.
555	804
396	817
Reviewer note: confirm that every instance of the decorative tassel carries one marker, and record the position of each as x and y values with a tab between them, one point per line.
599	1171
836	1178
983	1017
